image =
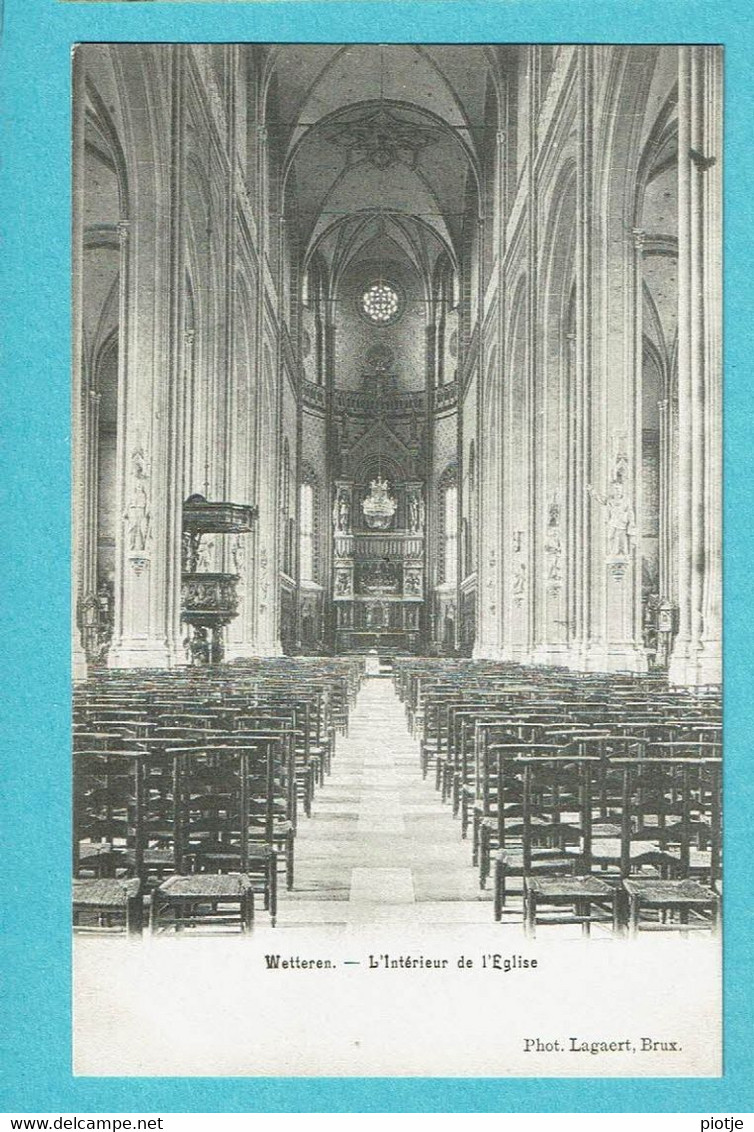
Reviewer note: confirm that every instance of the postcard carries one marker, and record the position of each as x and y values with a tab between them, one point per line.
365	667
397	553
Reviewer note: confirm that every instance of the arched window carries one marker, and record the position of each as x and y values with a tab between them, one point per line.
469	522
450	533
286	522
447	526
306	532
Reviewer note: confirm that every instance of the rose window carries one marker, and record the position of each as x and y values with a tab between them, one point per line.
380	303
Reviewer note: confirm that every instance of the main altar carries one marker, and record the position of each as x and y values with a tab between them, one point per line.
378	565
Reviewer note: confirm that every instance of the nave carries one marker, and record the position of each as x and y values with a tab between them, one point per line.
403	353
380	846
297	792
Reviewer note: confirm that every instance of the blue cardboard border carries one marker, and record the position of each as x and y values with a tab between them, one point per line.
35	480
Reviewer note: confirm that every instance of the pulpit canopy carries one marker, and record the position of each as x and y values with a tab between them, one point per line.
203	518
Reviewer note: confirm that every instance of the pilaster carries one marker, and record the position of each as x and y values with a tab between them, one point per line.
696	657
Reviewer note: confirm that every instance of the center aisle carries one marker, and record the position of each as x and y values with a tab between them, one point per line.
380	846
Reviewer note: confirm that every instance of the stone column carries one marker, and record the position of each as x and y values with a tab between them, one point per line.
633	611
580	571
574	489
697	654
281	532
331	469
147	544
533	368
258	565
665	502
429	626
91	534
266	642
138	638
491	501
174	367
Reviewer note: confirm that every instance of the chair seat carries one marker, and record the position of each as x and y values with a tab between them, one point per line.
534	822
101	857
260	852
664	893
576	888
540	858
90	850
207	886
108	892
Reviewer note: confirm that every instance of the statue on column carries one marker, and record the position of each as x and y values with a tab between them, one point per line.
554	546
342	513
137	515
621	522
415	512
519	583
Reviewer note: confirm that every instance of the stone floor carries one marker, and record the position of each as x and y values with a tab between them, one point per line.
380	847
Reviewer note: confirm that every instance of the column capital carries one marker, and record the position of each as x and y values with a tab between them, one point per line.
639	238
124	227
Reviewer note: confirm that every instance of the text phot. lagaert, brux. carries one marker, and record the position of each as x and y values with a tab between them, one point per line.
397	521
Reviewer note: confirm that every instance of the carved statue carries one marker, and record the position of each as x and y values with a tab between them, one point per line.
342	513
198	647
137	515
413	583
238	554
621	523
205	555
554	545
413	513
190	544
554	548
519	583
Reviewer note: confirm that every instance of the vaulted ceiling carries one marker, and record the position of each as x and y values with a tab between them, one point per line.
379	146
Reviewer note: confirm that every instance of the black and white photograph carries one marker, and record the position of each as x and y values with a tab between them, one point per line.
397	580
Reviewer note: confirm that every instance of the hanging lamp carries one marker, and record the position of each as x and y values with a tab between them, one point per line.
379	507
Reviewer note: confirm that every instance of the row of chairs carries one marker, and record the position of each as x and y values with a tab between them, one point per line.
188	788
581	787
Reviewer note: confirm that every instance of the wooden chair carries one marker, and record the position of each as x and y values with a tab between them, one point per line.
225	813
673	900
108	904
207	901
558	843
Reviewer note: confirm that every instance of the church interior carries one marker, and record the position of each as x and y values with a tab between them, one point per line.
397	476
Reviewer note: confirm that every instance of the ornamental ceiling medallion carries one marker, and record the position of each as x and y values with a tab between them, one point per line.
381	139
